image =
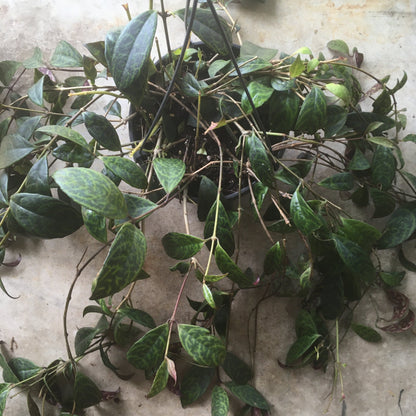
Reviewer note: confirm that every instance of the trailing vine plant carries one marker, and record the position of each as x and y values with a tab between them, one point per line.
297	134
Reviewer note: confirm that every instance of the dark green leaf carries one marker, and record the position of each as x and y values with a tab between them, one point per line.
259	160
66	133
205	349
70	152
42	215
357	261
305	325
92	190
365	235
97	50
4	126
366	333
4	392
359	121
32	406
303	216
208	296
382	105
89	68
4	197
359	161
181	246
138	316
190	86
95	224
383	167
113	108
206	28
340	181
259	93
83	339
13	148
250	49
86	393
399	228
223	232
248	394
336	118
7	71
237	369
281	227
384	203
282	85
35	92
131	51
312	114
127	170
160	381
123	262
248	65
66	56
37	180
409	138
284	106
226	265
274	259
207	194
8	374
169	172
23	368
138	207
220	403
102	130
148	351
300	347
195	383
393	279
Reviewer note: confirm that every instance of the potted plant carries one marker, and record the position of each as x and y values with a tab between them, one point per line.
297	131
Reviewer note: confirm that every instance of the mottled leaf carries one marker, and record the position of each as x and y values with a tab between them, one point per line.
340	181
148	351
23	368
122	264
205	349
275	258
95	224
259	161
160	381
207	195
365	235
384	203
102	130
65	133
86	393
195	383
138	316
13	148
237	369
248	394
92	190
284	106
83	339
66	56
126	170
312	114
181	246
37	179
169	172
338	46
97	50
359	161
303	216
220	403
259	93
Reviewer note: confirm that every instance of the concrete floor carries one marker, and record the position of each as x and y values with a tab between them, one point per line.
374	375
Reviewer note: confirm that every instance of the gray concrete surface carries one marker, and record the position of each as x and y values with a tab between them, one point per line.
374	375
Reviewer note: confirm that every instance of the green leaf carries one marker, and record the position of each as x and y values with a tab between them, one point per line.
102	130
340	181
259	93
97	50
303	216
4	197
122	264
4	392
169	172
220	403
250	49
216	66
366	333
109	44
70	152
284	105
393	279
226	265
195	383
365	235
409	138
398	229
126	170
297	67
160	381
37	179
205	349
138	207
300	347
66	133
283	85
384	203
8	374
237	369
312	114
190	86
7	71
248	394
224	232
274	259
206	28
13	148
42	216
147	353
23	368
338	46
336	119
138	316
92	190
305	325
66	56
208	296
359	161
181	246
312	64
207	195
382	141
129	60
35	92
382	105
353	256
83	339
86	393
95	224
359	121
259	160
340	91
